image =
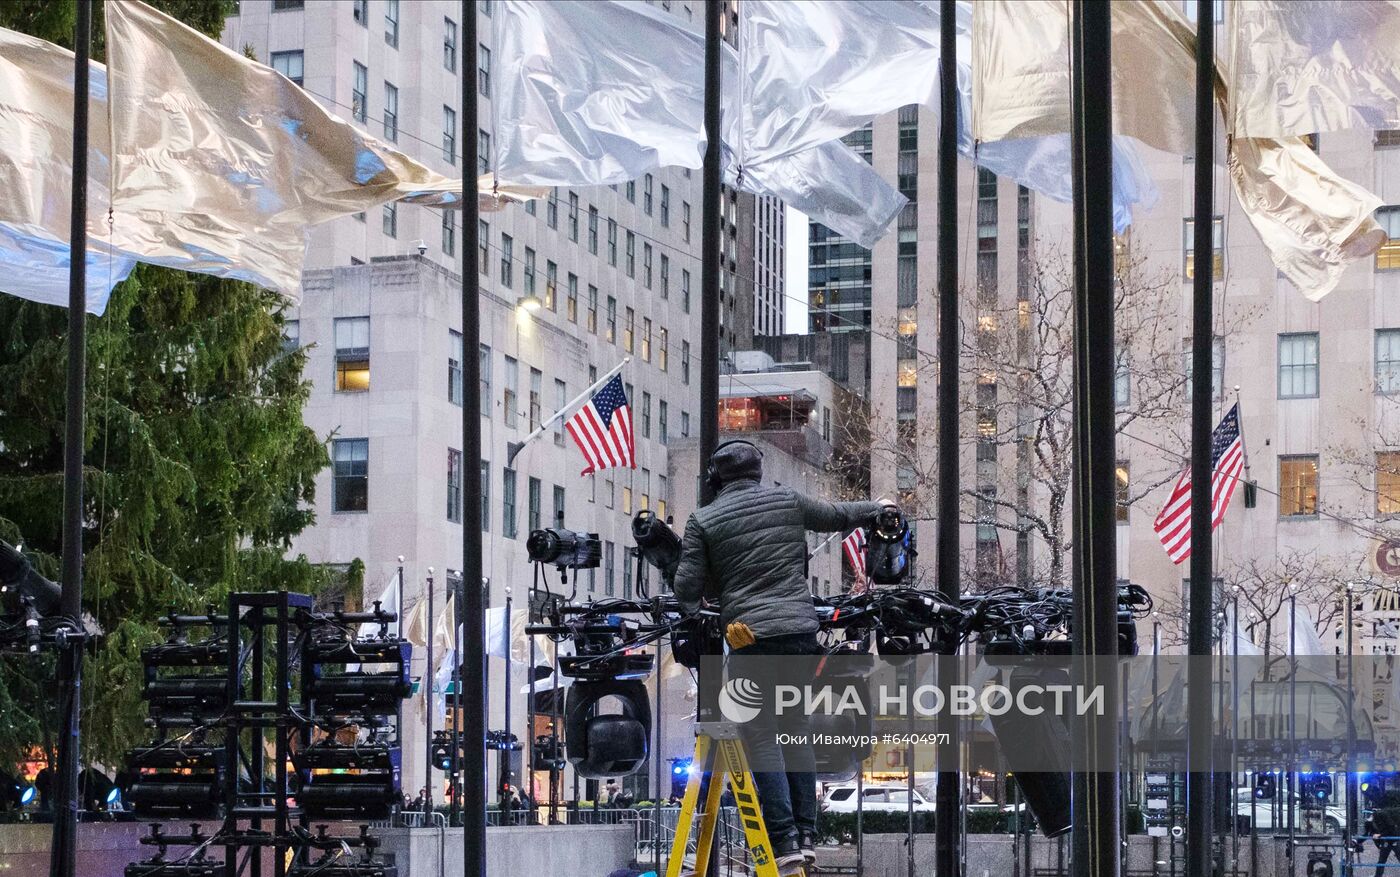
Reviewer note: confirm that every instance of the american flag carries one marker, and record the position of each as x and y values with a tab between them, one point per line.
854	546
602	429
1173	523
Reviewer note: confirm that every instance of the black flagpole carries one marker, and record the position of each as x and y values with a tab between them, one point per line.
947	812
1095	790
710	246
70	661
470	607
1198	745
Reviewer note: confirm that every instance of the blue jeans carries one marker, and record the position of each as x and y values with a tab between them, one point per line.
787	793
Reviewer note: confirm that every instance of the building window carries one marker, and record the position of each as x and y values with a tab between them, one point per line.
287	5
449	233
631	263
661	418
454	486
1217	235
685	362
685	290
1388	361
391	219
571	304
685	221
350	492
289	64
646	414
1297	486
665	206
454	367
573	217
1388	256
593	309
1121	499
685	424
485	496
291	336
1217	358
483	151
508	527
646	265
592	229
536	406
630	191
551	209
629	326
1388	483
449	135
646	194
663	359
612	320
483	246
661	495
1122	381
352	354
484	365
1191	9
361	12
609	493
646	339
1297	365
529	271
449	45
483	70
533	504
359	93
626	575
608	587
391	113
551	283
391	22
626	500
561	393
512	379
558	505
665	276
612	242
507	260
1387	138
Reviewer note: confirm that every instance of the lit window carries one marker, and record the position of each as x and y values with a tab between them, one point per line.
350	461
1188	232
1388	483
1388	256
1297	486
352	354
908	373
908	321
1120	508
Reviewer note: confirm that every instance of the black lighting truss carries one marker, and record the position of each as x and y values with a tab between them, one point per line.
265	719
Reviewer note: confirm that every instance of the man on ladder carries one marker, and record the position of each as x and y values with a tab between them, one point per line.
747	552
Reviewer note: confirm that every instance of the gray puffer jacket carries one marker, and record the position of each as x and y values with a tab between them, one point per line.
748	551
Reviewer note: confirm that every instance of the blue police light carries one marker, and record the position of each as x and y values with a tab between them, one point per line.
26	795
114	796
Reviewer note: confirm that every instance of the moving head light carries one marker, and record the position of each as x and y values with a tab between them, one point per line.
184	782
370	792
657	542
339	691
565	548
889	548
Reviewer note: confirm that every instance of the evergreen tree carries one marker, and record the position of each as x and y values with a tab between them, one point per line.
199	471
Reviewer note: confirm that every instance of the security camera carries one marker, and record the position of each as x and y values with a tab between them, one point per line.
422	247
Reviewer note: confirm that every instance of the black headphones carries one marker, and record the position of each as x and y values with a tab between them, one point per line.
712	475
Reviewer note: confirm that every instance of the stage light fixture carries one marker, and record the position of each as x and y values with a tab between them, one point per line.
185	782
349	782
658	543
566	549
1035	742
339	691
15	793
889	549
610	745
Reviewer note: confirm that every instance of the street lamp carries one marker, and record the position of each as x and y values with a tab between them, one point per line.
528	303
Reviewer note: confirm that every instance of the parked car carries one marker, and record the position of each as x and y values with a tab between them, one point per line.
882	798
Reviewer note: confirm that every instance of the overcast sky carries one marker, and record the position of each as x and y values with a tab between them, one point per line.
796	271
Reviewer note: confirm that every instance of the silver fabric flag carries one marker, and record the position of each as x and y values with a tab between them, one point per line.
1306	66
594	93
1313	221
36	175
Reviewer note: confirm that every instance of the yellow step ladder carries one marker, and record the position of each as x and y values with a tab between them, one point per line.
720	755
